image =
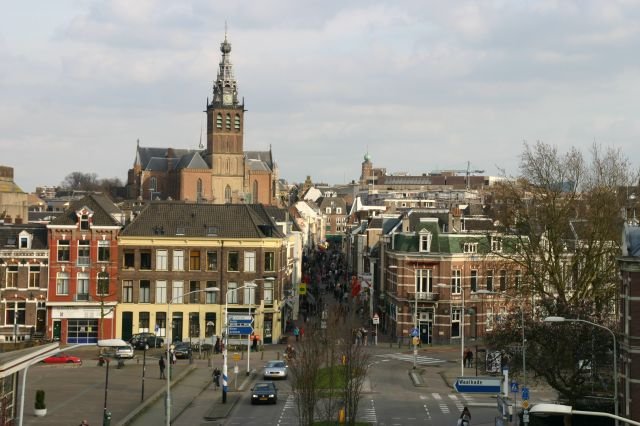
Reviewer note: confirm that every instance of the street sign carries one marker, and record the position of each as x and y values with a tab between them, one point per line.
415	341
240	330
514	387
376	319
236	356
525	392
525	404
302	289
478	384
415	332
240	323
240	317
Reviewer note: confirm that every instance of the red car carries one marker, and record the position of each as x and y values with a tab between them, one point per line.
62	359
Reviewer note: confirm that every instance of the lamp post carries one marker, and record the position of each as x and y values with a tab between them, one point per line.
615	353
225	377
169	327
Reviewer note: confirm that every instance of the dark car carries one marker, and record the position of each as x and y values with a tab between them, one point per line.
146	341
264	392
182	350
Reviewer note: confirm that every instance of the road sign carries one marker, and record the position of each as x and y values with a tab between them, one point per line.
525	404
415	332
514	387
240	317
525	418
478	384
242	323
302	289
236	356
415	341
376	319
234	331
525	392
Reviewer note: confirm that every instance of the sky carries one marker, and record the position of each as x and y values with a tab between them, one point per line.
419	85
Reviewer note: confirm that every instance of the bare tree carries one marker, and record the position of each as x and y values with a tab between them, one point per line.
305	368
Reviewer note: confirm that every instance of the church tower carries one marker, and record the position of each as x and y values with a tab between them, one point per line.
225	130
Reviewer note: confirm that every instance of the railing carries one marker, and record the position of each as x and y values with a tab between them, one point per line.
427	296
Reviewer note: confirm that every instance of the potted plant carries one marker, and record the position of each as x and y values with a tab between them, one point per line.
40	408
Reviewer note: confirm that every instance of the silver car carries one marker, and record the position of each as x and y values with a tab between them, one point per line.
275	370
124	352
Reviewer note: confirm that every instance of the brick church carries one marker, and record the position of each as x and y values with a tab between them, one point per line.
223	172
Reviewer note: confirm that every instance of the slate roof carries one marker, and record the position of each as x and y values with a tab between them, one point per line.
170	218
478	224
9	235
100	204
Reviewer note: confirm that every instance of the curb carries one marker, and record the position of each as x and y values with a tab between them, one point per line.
416	378
221	411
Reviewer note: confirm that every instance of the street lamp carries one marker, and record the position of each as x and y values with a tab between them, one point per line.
225	377
615	353
169	328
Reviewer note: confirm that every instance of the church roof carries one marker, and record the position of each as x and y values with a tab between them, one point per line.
167	159
192	160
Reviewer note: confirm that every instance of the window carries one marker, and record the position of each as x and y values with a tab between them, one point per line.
83	253
194	297
490	280
219	121
474	280
194	260
456	281
34	275
162	260
153	185
425	242
145	291
194	324
227	194
62	283
496	244
489	320
63	250
15	313
12	276
237	122
145	260
84	221
423	281
503	280
232	261
103	283
161	324
210	324
104	248
249	261
161	291
212	261
338	210
456	314
211	297
268	292
327	210
269	261
249	297
127	291
128	259
178	260
177	290
255	191
143	322
24	242
470	247
232	292
517	279
82	286
228	121
199	190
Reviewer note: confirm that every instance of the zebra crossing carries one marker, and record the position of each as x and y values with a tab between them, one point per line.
420	359
443	401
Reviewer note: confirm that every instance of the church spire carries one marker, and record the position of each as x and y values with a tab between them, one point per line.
225	88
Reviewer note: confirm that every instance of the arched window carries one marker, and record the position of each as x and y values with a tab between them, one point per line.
199	190
228	121
255	191
227	194
219	121
237	122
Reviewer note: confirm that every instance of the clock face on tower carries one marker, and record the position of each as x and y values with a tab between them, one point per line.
227	99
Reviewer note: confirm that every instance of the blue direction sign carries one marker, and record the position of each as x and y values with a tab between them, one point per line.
415	332
525	392
514	387
234	331
475	384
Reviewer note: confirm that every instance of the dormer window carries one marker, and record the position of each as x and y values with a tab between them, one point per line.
327	210
425	241
496	244
25	239
338	210
84	216
470	247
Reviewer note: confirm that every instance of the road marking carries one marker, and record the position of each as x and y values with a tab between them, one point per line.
420	359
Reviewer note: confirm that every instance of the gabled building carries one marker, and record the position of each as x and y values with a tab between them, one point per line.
173	251
83	270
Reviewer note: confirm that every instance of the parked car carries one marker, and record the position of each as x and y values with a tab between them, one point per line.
62	358
124	352
275	370
264	392
146	341
182	350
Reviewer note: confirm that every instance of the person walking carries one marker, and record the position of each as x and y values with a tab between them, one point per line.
162	366
216	378
296	332
465	418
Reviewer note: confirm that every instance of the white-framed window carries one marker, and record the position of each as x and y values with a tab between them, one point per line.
490	280
25	240
12	276
425	241
456	316
424	281
104	249
211	297
82	286
34	275
338	210
162	260
103	284
84	250
177	291
503	280
470	247
15	313
249	261
327	210
178	260
145	291
269	261
474	280
63	250
496	244
232	292
268	292
62	283
249	297
161	291
456	281
127	291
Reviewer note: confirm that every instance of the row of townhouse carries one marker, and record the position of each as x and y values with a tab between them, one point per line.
92	273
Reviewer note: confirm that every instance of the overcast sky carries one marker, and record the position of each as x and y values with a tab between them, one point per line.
420	85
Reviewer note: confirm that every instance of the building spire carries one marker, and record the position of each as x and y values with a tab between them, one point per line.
225	88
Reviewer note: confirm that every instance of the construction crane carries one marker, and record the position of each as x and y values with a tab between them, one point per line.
467	172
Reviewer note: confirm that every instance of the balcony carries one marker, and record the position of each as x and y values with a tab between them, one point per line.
425	296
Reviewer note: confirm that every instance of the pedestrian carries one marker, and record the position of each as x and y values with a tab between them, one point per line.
217	345
254	345
173	358
216	377
465	418
162	366
470	358
301	332
296	332
84	423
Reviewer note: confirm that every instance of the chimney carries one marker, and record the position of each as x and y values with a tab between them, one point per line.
18	220
7	219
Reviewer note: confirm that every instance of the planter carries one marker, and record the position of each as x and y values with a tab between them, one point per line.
40	412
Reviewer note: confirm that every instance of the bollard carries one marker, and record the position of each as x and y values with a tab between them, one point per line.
209	360
242	355
261	355
278	356
106	420
341	416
